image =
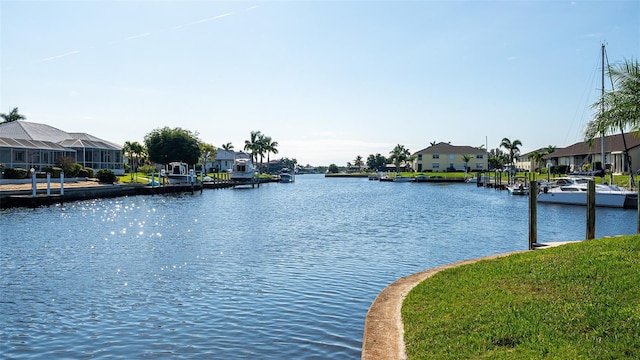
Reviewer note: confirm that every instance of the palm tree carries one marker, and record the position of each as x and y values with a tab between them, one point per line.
14	115
126	151
536	157
228	146
465	159
133	150
513	147
272	148
618	109
358	161
251	145
261	148
398	155
549	149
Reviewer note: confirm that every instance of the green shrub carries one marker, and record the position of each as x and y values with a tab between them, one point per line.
15	173
85	172
75	169
54	171
91	173
106	176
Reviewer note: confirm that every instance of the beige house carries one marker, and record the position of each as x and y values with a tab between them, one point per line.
447	157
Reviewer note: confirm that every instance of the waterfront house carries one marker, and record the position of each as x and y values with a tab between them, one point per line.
29	145
446	157
524	162
579	154
224	160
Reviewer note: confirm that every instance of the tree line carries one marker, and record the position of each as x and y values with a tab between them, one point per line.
617	110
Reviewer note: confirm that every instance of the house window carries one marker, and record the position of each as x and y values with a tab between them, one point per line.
419	157
479	156
18	156
451	166
435	156
479	165
435	165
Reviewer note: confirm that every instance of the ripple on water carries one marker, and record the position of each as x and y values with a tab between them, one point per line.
283	271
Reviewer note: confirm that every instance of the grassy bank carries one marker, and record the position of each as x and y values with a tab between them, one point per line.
578	301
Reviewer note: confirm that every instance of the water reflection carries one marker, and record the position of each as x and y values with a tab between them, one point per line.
284	271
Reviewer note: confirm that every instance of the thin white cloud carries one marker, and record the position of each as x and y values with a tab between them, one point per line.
252	7
589	36
138	36
60	56
511	58
202	20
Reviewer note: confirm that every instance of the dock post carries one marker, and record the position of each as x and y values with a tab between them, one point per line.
48	184
33	183
533	214
591	210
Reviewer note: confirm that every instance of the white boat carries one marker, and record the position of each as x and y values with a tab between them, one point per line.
519	186
242	171
573	191
177	172
286	176
518	189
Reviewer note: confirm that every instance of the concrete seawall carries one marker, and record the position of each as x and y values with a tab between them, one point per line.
25	198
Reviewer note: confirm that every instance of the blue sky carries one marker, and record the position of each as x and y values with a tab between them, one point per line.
328	80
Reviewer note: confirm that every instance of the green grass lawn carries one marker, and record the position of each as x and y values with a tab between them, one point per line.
577	301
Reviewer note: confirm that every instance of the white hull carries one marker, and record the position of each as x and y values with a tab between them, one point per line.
286	179
178	179
178	173
616	200
518	190
241	177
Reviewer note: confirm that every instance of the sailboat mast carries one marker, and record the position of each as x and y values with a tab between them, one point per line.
602	162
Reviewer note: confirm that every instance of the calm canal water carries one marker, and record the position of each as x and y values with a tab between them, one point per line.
286	271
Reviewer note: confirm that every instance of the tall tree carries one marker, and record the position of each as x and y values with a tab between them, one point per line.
465	159
618	109
536	158
251	146
272	148
376	162
549	149
126	152
166	145
134	150
513	147
358	161
207	152
228	146
398	155
12	116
